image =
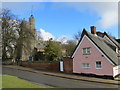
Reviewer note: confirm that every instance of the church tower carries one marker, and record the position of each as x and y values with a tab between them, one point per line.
32	22
33	35
27	41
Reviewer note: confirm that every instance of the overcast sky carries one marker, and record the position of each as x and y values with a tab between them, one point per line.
64	19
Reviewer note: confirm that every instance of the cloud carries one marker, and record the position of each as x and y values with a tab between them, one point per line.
108	20
45	35
106	11
62	39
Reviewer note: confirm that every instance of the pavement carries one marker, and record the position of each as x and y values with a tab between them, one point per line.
63	75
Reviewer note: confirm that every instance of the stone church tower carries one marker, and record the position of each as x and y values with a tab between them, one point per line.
27	41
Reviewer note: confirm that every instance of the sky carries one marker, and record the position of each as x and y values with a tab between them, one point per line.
64	19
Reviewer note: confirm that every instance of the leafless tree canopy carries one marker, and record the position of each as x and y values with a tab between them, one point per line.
10	28
16	36
77	36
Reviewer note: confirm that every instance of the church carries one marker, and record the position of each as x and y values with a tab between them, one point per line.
27	42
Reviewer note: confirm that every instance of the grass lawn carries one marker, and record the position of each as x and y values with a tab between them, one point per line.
14	82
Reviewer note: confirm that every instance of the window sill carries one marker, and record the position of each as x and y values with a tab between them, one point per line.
98	68
87	54
86	68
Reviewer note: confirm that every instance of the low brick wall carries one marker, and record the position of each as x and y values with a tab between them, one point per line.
54	66
68	65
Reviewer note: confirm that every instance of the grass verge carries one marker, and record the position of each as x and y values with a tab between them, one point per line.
15	82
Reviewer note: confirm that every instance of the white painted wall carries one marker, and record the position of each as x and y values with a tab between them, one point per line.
116	70
61	66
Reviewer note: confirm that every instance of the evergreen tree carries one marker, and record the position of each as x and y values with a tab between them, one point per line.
53	50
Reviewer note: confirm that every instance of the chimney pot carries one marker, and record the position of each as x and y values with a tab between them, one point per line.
93	29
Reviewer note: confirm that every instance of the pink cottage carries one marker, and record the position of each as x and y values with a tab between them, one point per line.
96	53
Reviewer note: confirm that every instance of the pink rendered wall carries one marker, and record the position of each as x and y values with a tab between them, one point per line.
79	58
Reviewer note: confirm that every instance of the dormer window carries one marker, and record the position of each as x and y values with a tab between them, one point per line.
86	50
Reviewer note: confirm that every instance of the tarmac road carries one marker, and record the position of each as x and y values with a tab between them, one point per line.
54	81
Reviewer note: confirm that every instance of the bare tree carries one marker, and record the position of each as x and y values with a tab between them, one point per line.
69	47
77	36
18	37
9	33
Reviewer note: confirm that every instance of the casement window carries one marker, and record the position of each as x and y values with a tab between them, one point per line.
86	50
85	65
98	65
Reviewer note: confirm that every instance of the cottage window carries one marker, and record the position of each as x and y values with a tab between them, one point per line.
86	50
98	65
86	65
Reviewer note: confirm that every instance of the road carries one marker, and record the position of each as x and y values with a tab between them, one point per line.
54	81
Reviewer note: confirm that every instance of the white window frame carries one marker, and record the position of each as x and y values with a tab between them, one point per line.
96	65
83	64
86	51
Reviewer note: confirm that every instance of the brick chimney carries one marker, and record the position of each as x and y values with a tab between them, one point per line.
93	30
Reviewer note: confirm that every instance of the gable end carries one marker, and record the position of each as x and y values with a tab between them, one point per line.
98	48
